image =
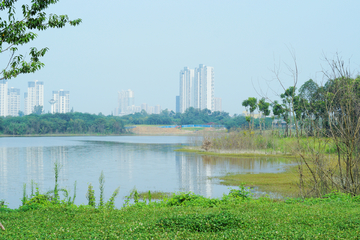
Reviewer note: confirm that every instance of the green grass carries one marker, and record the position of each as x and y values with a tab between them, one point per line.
284	183
188	216
154	195
238	155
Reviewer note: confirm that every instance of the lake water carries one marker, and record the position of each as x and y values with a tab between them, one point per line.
144	162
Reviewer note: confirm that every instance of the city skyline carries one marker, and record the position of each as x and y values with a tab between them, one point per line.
10	99
126	105
244	41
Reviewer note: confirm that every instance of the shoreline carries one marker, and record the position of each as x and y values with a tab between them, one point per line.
230	153
281	183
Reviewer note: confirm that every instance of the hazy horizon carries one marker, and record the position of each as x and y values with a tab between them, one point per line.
143	45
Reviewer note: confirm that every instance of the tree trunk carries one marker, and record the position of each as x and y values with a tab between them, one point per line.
2	227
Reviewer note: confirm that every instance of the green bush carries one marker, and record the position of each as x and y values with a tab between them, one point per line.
212	222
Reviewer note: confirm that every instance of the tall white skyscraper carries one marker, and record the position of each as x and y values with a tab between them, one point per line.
34	96
186	89
197	88
217	104
125	100
13	101
204	82
157	109
61	101
26	103
144	107
3	98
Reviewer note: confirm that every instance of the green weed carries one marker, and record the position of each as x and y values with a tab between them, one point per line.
90	195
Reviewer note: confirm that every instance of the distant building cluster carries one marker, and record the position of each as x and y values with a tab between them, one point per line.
126	105
197	90
60	102
10	99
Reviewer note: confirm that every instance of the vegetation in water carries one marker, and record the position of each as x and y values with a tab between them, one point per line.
284	184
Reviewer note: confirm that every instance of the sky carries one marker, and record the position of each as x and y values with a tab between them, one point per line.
142	45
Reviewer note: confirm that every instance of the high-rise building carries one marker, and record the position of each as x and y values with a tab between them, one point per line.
25	103
157	109
3	98
60	101
217	104
125	99
34	96
204	87
137	109
186	89
196	88
13	101
144	107
150	110
177	108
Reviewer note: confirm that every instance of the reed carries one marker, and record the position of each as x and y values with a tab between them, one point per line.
239	142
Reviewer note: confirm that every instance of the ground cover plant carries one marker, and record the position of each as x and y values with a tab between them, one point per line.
186	215
181	215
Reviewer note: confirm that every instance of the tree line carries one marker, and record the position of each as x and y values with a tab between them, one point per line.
312	109
190	116
85	123
62	123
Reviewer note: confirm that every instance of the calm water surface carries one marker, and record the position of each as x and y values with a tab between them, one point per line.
144	162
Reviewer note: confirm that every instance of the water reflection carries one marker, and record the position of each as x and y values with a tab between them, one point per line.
194	174
146	166
23	165
35	164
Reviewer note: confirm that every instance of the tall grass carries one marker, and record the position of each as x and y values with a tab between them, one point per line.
239	141
266	142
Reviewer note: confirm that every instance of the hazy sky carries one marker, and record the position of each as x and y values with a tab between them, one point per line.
143	45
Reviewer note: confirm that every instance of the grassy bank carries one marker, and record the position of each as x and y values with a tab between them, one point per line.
187	216
284	183
239	154
242	144
257	144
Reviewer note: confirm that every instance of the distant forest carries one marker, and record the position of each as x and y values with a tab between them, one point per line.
191	116
64	123
85	123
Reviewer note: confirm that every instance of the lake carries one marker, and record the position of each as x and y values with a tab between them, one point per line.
144	162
